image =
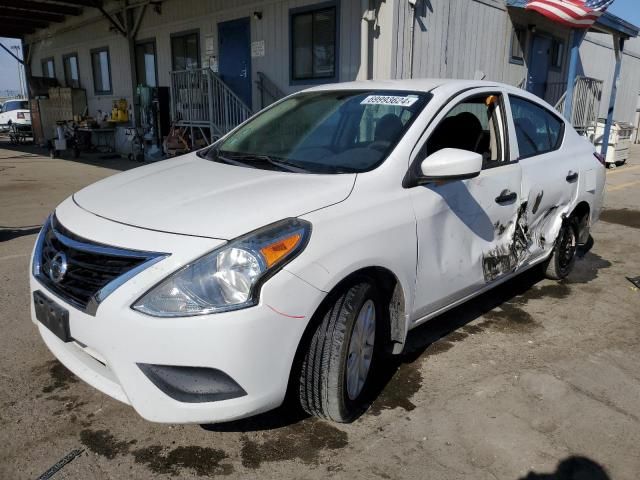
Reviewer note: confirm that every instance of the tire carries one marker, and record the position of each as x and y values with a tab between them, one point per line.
563	257
324	390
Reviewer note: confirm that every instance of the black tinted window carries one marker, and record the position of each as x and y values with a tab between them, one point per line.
538	130
185	51
313	44
21	105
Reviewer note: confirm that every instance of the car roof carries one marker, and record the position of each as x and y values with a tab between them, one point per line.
438	86
413	84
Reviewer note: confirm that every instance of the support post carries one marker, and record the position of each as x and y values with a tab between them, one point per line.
618	46
577	36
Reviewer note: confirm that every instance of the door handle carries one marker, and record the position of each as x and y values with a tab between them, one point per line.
572	177
506	197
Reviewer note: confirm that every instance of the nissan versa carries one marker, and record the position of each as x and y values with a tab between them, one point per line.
297	250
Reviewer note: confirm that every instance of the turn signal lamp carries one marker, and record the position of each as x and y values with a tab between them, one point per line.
274	252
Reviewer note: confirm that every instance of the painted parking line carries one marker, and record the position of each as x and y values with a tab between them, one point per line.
622	170
622	186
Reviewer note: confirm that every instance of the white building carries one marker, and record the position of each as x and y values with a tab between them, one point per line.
262	49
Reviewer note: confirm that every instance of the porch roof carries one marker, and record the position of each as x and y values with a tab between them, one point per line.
608	22
22	17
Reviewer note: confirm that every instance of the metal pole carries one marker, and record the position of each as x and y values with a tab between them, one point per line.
618	45
576	39
16	49
131	43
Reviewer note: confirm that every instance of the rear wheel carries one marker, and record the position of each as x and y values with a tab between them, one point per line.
341	355
563	257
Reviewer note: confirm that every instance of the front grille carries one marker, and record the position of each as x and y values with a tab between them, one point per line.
92	271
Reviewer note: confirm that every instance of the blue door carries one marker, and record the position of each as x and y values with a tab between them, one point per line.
234	63
539	65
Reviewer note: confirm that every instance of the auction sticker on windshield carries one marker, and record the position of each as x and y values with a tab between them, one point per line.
390	100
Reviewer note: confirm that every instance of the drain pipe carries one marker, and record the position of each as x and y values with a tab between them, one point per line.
412	5
368	16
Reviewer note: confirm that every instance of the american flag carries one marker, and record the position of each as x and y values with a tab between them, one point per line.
572	13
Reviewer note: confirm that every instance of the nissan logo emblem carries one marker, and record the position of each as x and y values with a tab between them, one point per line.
58	267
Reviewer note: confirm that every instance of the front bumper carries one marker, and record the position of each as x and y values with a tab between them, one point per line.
255	347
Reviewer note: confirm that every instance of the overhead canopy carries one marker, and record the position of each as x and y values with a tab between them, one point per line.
22	17
607	22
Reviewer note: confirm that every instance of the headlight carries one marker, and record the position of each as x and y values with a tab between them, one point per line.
229	277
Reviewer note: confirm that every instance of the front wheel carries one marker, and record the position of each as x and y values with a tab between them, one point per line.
563	257
336	368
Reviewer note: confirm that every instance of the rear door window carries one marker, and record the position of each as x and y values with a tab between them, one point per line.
538	130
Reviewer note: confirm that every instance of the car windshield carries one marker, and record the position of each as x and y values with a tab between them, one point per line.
323	132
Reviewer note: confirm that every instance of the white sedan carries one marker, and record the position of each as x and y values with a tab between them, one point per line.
291	254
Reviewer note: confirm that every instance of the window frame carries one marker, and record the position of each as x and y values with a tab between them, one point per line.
64	70
45	61
561	133
504	151
145	41
518	60
185	33
93	71
311	9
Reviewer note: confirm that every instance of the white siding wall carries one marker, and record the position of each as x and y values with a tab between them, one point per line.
597	60
93	34
182	15
457	38
452	39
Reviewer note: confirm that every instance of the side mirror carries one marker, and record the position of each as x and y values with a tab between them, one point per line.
450	164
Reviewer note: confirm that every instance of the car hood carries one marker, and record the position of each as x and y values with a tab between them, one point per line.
194	196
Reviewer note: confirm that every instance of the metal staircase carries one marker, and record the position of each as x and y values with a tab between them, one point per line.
587	96
204	105
586	105
269	91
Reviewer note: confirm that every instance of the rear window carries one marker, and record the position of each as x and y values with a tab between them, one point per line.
16	105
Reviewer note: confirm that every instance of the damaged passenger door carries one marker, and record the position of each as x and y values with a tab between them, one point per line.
466	229
549	176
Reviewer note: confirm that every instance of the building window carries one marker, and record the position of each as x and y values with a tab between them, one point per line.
557	53
185	51
314	43
48	68
518	41
146	63
101	71
71	72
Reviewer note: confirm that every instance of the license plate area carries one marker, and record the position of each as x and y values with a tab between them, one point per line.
52	316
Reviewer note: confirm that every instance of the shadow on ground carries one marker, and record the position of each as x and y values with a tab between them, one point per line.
26	152
9	233
573	468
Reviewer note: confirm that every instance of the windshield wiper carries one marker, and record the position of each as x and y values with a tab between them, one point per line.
282	164
215	155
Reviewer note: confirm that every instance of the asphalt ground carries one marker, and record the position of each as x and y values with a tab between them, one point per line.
533	380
